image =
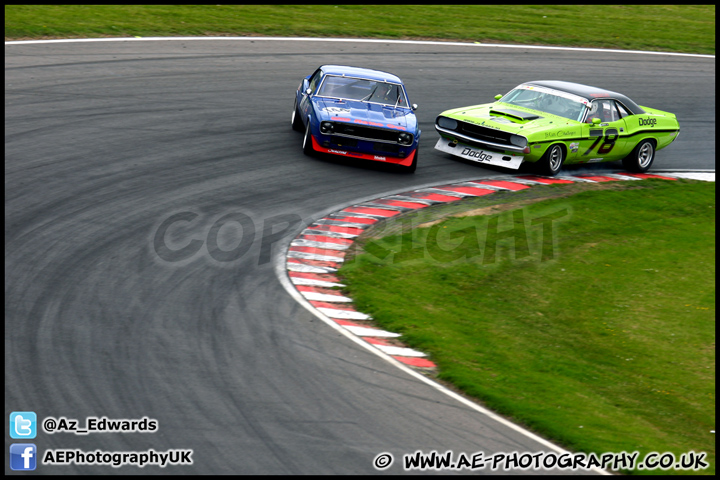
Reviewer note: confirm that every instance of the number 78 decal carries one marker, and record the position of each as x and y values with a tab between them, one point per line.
611	135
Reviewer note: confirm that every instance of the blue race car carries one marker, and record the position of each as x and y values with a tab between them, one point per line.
358	113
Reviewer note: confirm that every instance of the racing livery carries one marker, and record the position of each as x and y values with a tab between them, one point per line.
359	113
551	123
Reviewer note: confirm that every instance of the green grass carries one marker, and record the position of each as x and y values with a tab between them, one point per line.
672	28
600	336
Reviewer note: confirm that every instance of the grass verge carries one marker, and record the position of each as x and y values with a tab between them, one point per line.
667	28
585	312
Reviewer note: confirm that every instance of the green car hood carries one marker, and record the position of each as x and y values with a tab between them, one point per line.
508	118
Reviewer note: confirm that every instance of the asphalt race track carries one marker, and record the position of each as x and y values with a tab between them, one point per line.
107	143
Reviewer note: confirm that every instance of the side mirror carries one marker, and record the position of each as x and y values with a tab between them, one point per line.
498	97
414	106
596	121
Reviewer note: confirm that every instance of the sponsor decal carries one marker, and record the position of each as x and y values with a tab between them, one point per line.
476	155
375	124
560	134
574	147
489	125
406	161
498	120
368	122
595	160
337	110
643	122
557	93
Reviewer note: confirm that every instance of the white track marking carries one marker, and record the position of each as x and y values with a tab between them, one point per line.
353	40
369	332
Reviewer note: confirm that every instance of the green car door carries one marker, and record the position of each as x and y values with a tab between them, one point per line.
604	134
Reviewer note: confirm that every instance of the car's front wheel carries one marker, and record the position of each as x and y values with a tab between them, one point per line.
296	121
551	163
413	166
641	157
307	142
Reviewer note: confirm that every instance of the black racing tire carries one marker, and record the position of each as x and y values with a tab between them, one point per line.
551	163
296	121
307	142
641	157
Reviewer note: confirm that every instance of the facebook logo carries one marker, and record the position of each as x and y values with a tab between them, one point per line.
23	456
23	425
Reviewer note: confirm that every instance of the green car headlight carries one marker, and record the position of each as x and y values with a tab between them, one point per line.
518	141
448	123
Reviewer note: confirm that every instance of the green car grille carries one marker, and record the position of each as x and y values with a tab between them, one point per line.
483	134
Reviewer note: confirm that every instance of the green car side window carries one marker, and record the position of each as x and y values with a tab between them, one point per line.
621	110
605	110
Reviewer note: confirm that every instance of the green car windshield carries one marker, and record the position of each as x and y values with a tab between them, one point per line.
548	100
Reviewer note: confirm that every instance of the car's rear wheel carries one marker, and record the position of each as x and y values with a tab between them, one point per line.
641	157
307	142
296	121
551	163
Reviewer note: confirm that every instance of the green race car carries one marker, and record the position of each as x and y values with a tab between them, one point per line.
555	123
